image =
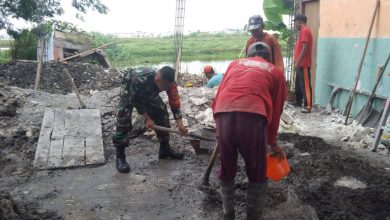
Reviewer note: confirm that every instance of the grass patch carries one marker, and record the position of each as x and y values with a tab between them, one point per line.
5	43
197	46
5	56
128	52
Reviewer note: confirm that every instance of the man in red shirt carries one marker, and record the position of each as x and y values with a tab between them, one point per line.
247	110
256	27
302	59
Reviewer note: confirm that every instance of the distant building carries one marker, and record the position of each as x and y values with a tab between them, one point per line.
61	45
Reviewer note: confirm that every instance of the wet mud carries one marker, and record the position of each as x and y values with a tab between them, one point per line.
159	189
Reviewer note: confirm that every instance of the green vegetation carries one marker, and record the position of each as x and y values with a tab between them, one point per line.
274	11
127	52
24	45
5	43
36	11
5	56
196	46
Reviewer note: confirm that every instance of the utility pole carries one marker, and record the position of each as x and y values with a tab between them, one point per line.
178	35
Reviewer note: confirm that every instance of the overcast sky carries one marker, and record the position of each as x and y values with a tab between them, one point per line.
158	16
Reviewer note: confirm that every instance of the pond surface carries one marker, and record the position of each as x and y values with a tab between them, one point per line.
196	66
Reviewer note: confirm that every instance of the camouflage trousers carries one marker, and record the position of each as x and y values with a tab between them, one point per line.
154	106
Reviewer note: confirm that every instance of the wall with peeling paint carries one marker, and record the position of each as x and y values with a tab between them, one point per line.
343	29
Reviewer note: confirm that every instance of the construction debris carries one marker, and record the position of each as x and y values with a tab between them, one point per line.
154	185
88	78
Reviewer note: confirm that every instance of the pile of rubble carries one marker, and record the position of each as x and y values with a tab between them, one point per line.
355	135
9	101
191	80
87	77
329	125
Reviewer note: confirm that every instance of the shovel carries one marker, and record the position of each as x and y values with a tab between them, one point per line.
170	130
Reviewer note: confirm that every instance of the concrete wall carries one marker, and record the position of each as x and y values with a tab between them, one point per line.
343	29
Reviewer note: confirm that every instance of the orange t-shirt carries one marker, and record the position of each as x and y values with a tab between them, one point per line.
273	43
304	37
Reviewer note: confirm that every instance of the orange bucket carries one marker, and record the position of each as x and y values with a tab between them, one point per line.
276	169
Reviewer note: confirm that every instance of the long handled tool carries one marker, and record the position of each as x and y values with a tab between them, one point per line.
368	107
170	130
40	60
75	89
206	176
353	90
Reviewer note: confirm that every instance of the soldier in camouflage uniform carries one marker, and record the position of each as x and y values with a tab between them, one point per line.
140	89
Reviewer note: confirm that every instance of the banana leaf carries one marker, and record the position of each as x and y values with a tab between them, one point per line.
274	9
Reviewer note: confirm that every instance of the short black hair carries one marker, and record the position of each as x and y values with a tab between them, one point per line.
168	73
300	17
263	55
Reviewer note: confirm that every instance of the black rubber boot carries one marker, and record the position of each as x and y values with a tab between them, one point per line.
166	152
121	164
256	200
227	195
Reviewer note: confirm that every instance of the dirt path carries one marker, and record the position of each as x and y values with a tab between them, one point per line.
327	182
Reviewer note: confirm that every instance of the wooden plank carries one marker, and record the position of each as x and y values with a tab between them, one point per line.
43	146
82	104
91	117
72	124
85	52
73	153
94	151
58	125
40	60
70	138
55	153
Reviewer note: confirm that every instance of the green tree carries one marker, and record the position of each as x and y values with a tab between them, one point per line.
274	11
114	52
36	11
24	45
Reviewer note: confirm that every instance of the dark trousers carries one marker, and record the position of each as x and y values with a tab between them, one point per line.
154	106
245	133
303	87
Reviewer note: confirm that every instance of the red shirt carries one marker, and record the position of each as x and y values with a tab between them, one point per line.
304	37
256	86
273	43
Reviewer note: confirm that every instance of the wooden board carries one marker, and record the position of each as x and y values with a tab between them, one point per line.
44	139
70	138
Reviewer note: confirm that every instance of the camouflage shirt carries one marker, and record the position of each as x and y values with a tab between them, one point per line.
140	87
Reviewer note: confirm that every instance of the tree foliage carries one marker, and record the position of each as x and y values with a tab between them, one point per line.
274	11
36	11
24	45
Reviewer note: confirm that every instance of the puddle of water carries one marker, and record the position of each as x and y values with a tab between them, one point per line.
350	182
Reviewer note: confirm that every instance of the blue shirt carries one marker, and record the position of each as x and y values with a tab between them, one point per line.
215	80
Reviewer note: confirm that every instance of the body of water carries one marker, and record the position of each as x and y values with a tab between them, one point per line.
196	67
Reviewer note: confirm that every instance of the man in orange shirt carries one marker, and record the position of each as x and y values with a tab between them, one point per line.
256	27
302	62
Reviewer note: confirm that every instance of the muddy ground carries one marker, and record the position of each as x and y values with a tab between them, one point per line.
170	189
